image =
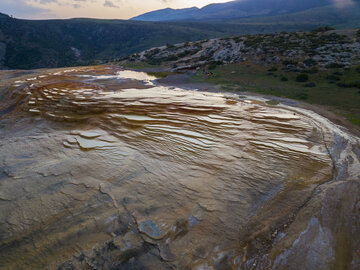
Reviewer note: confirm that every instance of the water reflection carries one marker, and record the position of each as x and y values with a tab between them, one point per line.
123	75
135	75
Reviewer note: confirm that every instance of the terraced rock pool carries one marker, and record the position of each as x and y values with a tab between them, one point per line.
104	168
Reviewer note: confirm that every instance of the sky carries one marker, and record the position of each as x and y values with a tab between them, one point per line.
106	9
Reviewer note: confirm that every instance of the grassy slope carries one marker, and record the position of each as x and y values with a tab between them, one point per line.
253	78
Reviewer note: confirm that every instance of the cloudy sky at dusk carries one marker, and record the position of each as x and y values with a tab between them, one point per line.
109	9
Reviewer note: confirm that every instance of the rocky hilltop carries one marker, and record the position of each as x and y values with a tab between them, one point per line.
321	48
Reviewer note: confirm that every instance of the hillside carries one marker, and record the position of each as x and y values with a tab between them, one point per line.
28	44
320	48
55	43
233	10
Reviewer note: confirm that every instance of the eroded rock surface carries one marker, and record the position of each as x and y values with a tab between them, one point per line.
102	168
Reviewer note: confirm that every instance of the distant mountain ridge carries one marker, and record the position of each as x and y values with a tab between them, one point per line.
169	14
234	10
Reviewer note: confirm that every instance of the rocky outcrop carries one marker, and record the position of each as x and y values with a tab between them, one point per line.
297	51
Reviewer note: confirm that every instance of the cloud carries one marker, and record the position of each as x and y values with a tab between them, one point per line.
47	1
105	9
21	9
343	3
110	4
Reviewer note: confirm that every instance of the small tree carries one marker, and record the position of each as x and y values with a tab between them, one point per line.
358	69
334	65
302	77
322	29
272	69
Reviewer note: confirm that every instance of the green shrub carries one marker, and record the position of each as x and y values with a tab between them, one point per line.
312	70
322	29
212	66
309	62
172	58
333	77
302	96
284	79
302	77
183	54
334	65
203	58
273	69
289	62
310	84
348	84
357	69
337	73
154	62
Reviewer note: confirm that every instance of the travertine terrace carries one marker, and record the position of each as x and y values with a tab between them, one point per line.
102	168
